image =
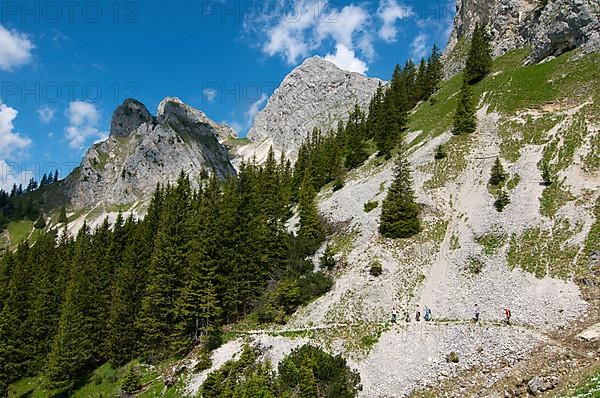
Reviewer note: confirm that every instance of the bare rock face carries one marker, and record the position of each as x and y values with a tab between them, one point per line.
128	117
127	166
315	94
549	27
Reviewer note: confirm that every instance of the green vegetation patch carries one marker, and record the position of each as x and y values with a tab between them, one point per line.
449	168
491	242
553	198
543	252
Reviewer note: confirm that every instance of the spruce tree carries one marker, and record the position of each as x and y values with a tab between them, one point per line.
73	348
498	176
400	212
16	350
131	382
356	153
435	71
310	227
62	216
165	275
479	61
40	222
465	120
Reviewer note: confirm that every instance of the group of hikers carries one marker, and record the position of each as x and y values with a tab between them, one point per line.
428	317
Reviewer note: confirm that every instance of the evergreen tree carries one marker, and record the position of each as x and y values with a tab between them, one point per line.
479	60
435	71
128	287
131	381
310	227
465	120
421	82
356	153
400	212
73	349
62	216
16	349
498	176
308	384
502	201
157	315
40	222
55	175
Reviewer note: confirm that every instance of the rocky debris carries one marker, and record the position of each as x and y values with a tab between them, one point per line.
126	167
549	27
538	384
315	94
590	334
128	117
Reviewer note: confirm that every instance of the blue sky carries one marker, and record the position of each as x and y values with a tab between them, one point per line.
65	66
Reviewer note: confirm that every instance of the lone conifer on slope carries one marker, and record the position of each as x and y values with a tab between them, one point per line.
400	212
465	120
479	61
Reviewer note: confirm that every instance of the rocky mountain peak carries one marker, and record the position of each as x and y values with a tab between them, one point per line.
128	117
144	150
174	110
316	94
548	27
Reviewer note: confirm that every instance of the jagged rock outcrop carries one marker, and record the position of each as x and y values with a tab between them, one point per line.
128	117
549	27
315	94
143	151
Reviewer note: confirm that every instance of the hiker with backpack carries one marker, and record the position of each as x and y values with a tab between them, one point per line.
507	315
476	319
427	316
418	314
394	317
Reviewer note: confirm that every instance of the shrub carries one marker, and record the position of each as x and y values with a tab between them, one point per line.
452	357
475	265
327	260
376	269
440	152
331	374
338	184
370	206
502	201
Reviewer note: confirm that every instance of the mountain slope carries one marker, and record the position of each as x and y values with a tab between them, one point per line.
536	257
143	151
317	94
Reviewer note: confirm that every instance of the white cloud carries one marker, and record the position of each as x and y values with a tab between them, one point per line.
12	144
9	176
345	58
83	124
254	109
46	114
419	47
343	25
389	12
310	25
15	49
210	94
289	36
